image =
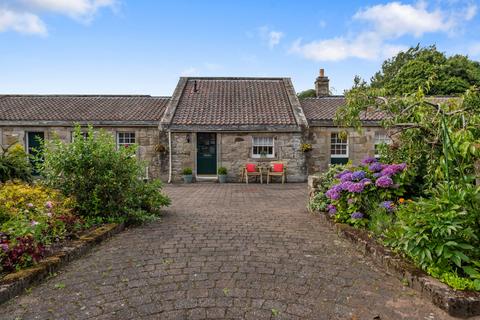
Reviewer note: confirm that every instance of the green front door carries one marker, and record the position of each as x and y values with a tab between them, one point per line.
34	142
207	153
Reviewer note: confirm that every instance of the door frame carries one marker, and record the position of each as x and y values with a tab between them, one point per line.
27	143
217	144
27	146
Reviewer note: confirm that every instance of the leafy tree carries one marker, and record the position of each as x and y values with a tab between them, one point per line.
429	69
310	93
439	140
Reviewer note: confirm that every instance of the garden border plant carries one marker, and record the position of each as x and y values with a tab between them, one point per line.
86	184
438	142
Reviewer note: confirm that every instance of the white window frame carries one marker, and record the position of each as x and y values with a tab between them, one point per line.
337	139
263	144
122	144
380	138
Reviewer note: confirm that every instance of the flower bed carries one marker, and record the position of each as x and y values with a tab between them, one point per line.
438	234
33	218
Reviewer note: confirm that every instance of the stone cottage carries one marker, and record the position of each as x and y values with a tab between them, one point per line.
208	122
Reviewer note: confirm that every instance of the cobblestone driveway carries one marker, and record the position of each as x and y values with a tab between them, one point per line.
224	251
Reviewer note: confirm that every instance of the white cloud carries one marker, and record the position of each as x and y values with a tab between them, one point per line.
395	19
474	49
271	37
190	71
22	22
78	9
470	12
380	25
365	45
274	38
24	16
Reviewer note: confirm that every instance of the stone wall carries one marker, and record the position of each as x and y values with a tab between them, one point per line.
183	153
360	146
234	151
148	140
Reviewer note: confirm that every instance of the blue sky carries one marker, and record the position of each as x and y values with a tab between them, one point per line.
143	46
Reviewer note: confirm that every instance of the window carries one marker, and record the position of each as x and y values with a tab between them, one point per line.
338	149
83	134
380	139
263	147
125	139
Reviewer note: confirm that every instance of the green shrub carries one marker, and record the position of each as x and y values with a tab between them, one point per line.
319	202
187	171
105	181
380	222
14	164
222	171
441	233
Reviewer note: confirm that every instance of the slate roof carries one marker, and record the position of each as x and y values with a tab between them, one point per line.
233	103
81	108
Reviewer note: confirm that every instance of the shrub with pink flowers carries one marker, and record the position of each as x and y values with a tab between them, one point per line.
358	191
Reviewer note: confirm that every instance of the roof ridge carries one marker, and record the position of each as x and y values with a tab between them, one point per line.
82	95
236	78
324	97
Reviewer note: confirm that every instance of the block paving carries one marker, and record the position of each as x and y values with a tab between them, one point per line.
225	252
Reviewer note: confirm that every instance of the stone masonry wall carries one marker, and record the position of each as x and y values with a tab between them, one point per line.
147	138
360	146
234	151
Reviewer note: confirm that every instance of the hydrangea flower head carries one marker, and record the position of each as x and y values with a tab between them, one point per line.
388	205
331	209
340	175
357	215
346	177
392	169
369	160
384	182
346	185
366	181
332	194
358	175
375	167
356	187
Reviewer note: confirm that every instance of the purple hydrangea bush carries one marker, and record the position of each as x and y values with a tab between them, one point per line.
360	190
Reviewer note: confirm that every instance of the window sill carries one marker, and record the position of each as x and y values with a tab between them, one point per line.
264	159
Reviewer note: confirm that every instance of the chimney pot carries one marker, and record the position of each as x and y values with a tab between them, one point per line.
322	73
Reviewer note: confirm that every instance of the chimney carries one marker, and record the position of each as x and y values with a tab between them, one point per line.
321	85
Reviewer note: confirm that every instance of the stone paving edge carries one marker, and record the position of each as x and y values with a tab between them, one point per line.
461	304
14	284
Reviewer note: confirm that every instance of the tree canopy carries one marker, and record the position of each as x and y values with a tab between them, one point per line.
310	93
428	69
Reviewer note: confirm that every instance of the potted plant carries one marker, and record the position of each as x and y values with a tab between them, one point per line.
222	174
187	175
